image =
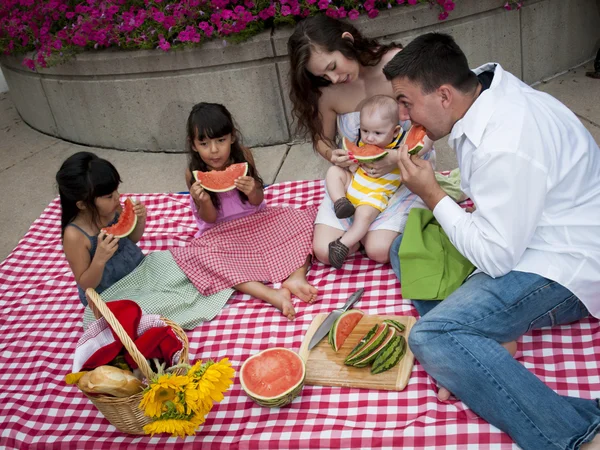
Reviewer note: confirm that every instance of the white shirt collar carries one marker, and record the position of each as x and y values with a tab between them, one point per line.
473	123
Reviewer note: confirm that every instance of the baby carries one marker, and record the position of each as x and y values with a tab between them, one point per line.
359	194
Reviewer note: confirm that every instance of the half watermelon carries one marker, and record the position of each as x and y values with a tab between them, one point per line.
366	153
221	180
415	139
126	223
273	377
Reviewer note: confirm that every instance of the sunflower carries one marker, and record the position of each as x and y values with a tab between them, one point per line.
179	403
216	380
164	389
176	427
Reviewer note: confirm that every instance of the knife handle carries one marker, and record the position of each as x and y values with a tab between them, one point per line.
353	299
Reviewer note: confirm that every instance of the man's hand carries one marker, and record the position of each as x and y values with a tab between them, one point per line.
418	176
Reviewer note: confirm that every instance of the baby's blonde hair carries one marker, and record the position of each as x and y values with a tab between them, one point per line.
386	106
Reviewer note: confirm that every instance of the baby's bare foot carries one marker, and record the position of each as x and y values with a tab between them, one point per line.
444	394
298	286
282	300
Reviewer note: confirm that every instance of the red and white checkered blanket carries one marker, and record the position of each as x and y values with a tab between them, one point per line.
40	323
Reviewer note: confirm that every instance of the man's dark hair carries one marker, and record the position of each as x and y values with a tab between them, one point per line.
431	60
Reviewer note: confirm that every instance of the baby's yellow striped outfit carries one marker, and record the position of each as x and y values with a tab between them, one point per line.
375	192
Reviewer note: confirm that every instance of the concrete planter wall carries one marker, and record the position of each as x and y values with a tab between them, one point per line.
140	100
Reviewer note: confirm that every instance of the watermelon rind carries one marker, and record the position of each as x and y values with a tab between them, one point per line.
394	323
366	338
379	336
333	331
370	357
389	356
220	174
126	213
282	399
349	146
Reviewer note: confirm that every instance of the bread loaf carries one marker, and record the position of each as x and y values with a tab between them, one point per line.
110	380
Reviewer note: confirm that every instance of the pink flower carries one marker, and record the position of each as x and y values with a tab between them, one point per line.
373	13
449	5
412	2
159	16
163	44
29	63
443	16
353	14
70	15
323	4
79	40
507	6
285	10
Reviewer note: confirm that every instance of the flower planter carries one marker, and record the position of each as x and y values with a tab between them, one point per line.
139	100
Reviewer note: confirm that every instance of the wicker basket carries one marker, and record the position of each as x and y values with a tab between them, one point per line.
124	412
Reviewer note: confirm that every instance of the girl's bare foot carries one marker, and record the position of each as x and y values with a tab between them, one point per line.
444	394
297	285
282	300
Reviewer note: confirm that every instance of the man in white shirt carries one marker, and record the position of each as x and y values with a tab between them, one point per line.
533	172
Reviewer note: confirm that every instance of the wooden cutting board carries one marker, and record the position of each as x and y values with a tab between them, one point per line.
325	367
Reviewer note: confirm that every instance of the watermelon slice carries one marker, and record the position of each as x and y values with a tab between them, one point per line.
415	139
221	180
366	153
126	223
343	326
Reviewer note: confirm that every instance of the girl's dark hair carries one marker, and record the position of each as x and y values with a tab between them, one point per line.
212	121
84	177
325	33
431	60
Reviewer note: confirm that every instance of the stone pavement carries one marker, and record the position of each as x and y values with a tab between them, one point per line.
29	159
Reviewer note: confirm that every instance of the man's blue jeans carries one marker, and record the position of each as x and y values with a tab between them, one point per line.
458	344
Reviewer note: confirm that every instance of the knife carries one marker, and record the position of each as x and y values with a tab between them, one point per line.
333	315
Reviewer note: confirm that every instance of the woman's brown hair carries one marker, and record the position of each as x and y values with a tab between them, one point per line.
325	33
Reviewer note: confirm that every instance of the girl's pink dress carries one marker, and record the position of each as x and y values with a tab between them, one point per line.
232	207
246	243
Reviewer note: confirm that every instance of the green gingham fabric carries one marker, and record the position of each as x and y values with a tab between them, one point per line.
160	287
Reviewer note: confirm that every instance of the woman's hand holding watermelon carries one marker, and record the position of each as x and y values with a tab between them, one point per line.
107	246
342	158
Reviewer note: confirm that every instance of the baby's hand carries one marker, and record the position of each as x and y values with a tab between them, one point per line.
140	211
342	158
107	246
198	193
246	184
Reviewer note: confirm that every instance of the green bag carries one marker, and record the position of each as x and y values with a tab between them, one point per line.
430	266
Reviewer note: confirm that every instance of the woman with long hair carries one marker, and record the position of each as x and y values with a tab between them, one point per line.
334	70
